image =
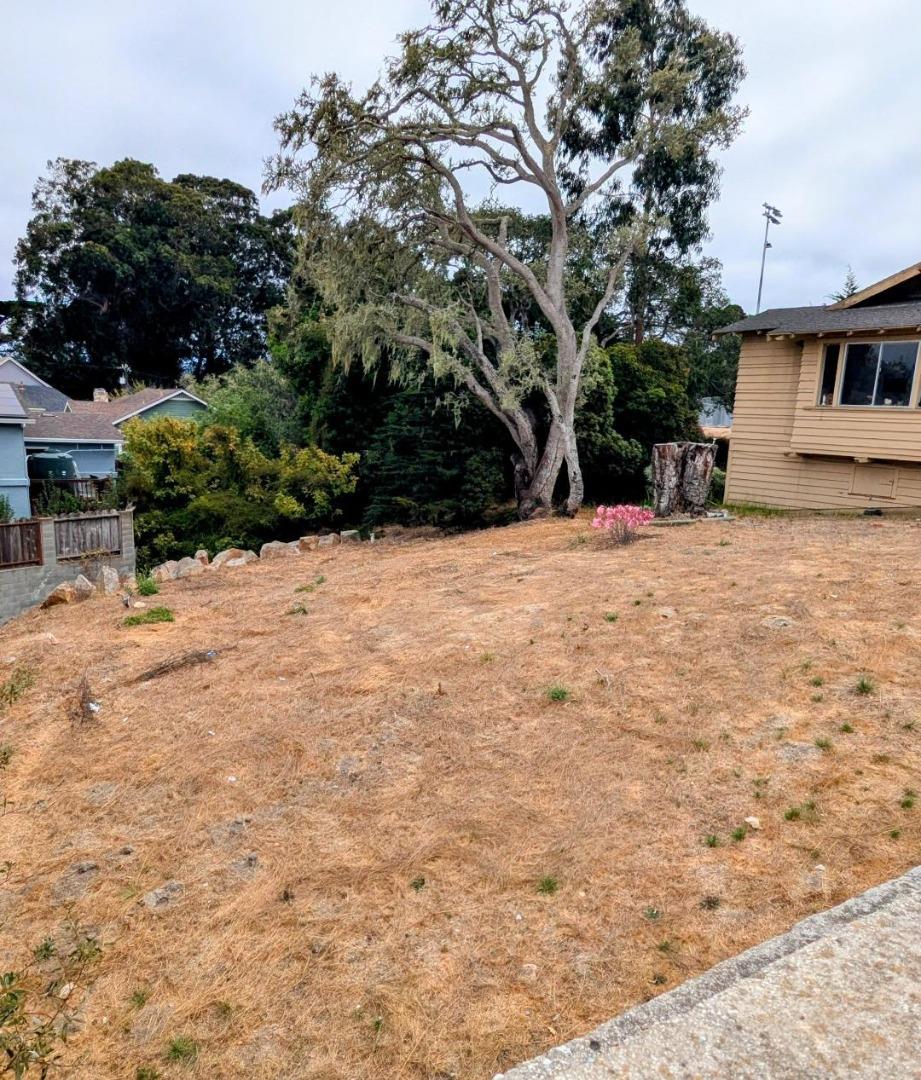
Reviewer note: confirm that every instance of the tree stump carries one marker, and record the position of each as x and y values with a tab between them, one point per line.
681	475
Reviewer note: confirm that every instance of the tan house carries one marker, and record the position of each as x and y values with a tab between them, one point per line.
827	411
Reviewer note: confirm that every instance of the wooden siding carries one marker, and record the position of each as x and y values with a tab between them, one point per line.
889	434
776	419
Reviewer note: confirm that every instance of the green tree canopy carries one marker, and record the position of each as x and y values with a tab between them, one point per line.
410	257
135	276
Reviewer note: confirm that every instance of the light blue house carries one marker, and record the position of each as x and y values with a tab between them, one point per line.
36	418
14	479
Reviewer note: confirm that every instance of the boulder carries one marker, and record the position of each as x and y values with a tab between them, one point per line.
350	536
63	594
83	587
224	557
242	559
308	543
187	567
275	549
107	581
328	541
165	571
202	556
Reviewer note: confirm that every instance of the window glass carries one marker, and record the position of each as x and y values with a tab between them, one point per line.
896	373
859	381
829	375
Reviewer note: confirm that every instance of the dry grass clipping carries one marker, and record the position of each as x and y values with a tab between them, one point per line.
366	804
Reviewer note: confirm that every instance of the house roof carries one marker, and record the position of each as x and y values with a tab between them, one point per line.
4	360
828	319
42	398
11	408
123	408
72	427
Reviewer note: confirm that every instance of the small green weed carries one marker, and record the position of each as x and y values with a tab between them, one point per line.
611	616
145	618
139	997
6	755
487	657
807	811
147	1072
908	799
22	679
45	949
712	840
547	886
558	692
182	1049
825	745
818	697
710	903
739	833
653	914
895	834
297	609
816	680
148	586
864	686
846	729
417	883
700	744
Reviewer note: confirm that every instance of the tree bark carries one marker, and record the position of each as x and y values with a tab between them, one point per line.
681	475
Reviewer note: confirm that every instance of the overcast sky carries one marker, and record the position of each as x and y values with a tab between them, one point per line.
833	136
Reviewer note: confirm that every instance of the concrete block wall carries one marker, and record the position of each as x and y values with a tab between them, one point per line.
23	587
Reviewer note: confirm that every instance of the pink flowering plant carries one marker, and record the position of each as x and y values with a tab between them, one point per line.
620	524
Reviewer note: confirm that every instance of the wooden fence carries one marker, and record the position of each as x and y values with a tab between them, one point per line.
85	534
21	544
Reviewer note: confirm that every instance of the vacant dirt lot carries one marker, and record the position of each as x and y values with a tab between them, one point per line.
398	856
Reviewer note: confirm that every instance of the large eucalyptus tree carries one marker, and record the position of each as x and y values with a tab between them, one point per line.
417	197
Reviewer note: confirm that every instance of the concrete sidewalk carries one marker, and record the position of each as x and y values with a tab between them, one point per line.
839	995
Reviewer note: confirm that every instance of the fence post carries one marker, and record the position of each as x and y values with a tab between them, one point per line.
49	546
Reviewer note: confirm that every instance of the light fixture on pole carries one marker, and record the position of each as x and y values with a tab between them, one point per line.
771	216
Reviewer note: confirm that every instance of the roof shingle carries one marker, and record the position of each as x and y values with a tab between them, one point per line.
827	320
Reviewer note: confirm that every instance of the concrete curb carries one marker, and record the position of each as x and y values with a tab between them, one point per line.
585	1056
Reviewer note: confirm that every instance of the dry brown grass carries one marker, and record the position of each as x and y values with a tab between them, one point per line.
401	730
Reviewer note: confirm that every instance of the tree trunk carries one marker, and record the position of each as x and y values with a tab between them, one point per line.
537	497
681	475
574	472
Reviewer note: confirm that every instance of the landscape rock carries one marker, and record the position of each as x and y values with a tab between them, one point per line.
242	560
328	540
165	571
202	556
84	587
165	896
350	536
753	823
187	567
63	594
274	549
108	581
665	612
232	555
778	622
308	543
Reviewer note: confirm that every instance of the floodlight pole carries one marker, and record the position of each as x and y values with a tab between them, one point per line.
772	216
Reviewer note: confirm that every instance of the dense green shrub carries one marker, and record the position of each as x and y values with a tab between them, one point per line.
211	486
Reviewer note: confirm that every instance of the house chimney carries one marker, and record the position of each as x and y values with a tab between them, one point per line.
100	395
